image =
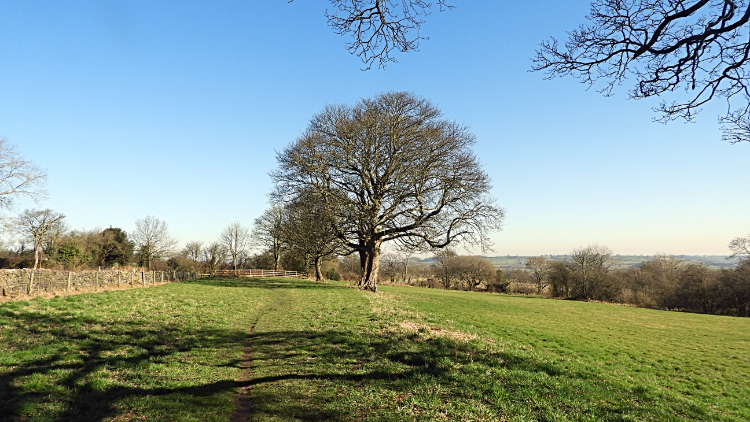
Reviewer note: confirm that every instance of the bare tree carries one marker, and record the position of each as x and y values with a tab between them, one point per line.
473	271
539	268
404	257
39	227
381	26
18	177
445	265
590	267
390	265
213	256
152	239
236	240
193	250
268	232
700	46
391	169
309	231
740	247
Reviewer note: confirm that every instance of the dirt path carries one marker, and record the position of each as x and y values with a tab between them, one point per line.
243	405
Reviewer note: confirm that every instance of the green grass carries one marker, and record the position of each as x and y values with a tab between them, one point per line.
330	352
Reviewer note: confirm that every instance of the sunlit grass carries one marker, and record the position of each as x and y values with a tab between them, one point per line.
325	351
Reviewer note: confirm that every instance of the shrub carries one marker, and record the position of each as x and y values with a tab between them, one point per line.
332	274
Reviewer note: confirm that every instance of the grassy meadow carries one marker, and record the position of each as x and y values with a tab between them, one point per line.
326	351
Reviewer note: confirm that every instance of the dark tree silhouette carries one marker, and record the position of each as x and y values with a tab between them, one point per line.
380	26
699	46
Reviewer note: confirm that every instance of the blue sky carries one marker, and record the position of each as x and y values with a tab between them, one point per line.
176	109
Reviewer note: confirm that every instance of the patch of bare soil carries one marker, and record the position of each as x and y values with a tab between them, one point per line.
243	406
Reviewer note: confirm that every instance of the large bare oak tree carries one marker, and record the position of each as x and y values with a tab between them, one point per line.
701	47
387	169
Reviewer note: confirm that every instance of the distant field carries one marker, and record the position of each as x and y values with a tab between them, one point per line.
326	351
516	261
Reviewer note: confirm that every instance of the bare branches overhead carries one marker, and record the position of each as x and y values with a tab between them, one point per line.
378	27
700	47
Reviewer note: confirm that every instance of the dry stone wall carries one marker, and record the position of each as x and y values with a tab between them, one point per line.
29	282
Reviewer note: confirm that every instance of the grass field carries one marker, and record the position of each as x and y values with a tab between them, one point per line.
325	351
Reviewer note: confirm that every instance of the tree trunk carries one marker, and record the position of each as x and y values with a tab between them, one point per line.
318	272
370	259
276	259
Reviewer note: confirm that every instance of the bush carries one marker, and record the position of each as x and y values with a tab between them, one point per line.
349	276
332	274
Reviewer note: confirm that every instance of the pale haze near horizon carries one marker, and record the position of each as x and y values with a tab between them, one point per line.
176	110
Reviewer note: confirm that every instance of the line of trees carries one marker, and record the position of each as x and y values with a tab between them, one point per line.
592	273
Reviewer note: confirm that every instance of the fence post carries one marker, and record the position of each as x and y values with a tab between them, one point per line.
143	278
119	273
70	274
96	281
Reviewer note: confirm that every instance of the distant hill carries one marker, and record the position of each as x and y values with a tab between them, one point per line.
518	261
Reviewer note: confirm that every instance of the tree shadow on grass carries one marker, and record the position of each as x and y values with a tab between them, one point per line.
391	376
77	368
93	372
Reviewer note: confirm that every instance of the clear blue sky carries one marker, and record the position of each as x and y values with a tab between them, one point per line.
176	109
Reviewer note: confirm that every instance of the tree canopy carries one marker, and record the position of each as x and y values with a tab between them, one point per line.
391	168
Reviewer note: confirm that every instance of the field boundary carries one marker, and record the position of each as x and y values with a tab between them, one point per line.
42	282
259	273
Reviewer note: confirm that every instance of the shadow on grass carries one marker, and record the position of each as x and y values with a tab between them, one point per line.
93	372
345	375
78	368
268	283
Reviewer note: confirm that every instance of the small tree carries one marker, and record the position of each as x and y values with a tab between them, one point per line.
153	240
473	271
389	268
213	256
39	227
539	268
236	240
445	266
308	231
590	270
192	250
115	247
268	233
560	278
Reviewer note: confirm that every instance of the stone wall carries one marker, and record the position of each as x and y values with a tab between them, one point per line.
34	283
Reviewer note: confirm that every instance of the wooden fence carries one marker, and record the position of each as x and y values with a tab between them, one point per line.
42	281
259	273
